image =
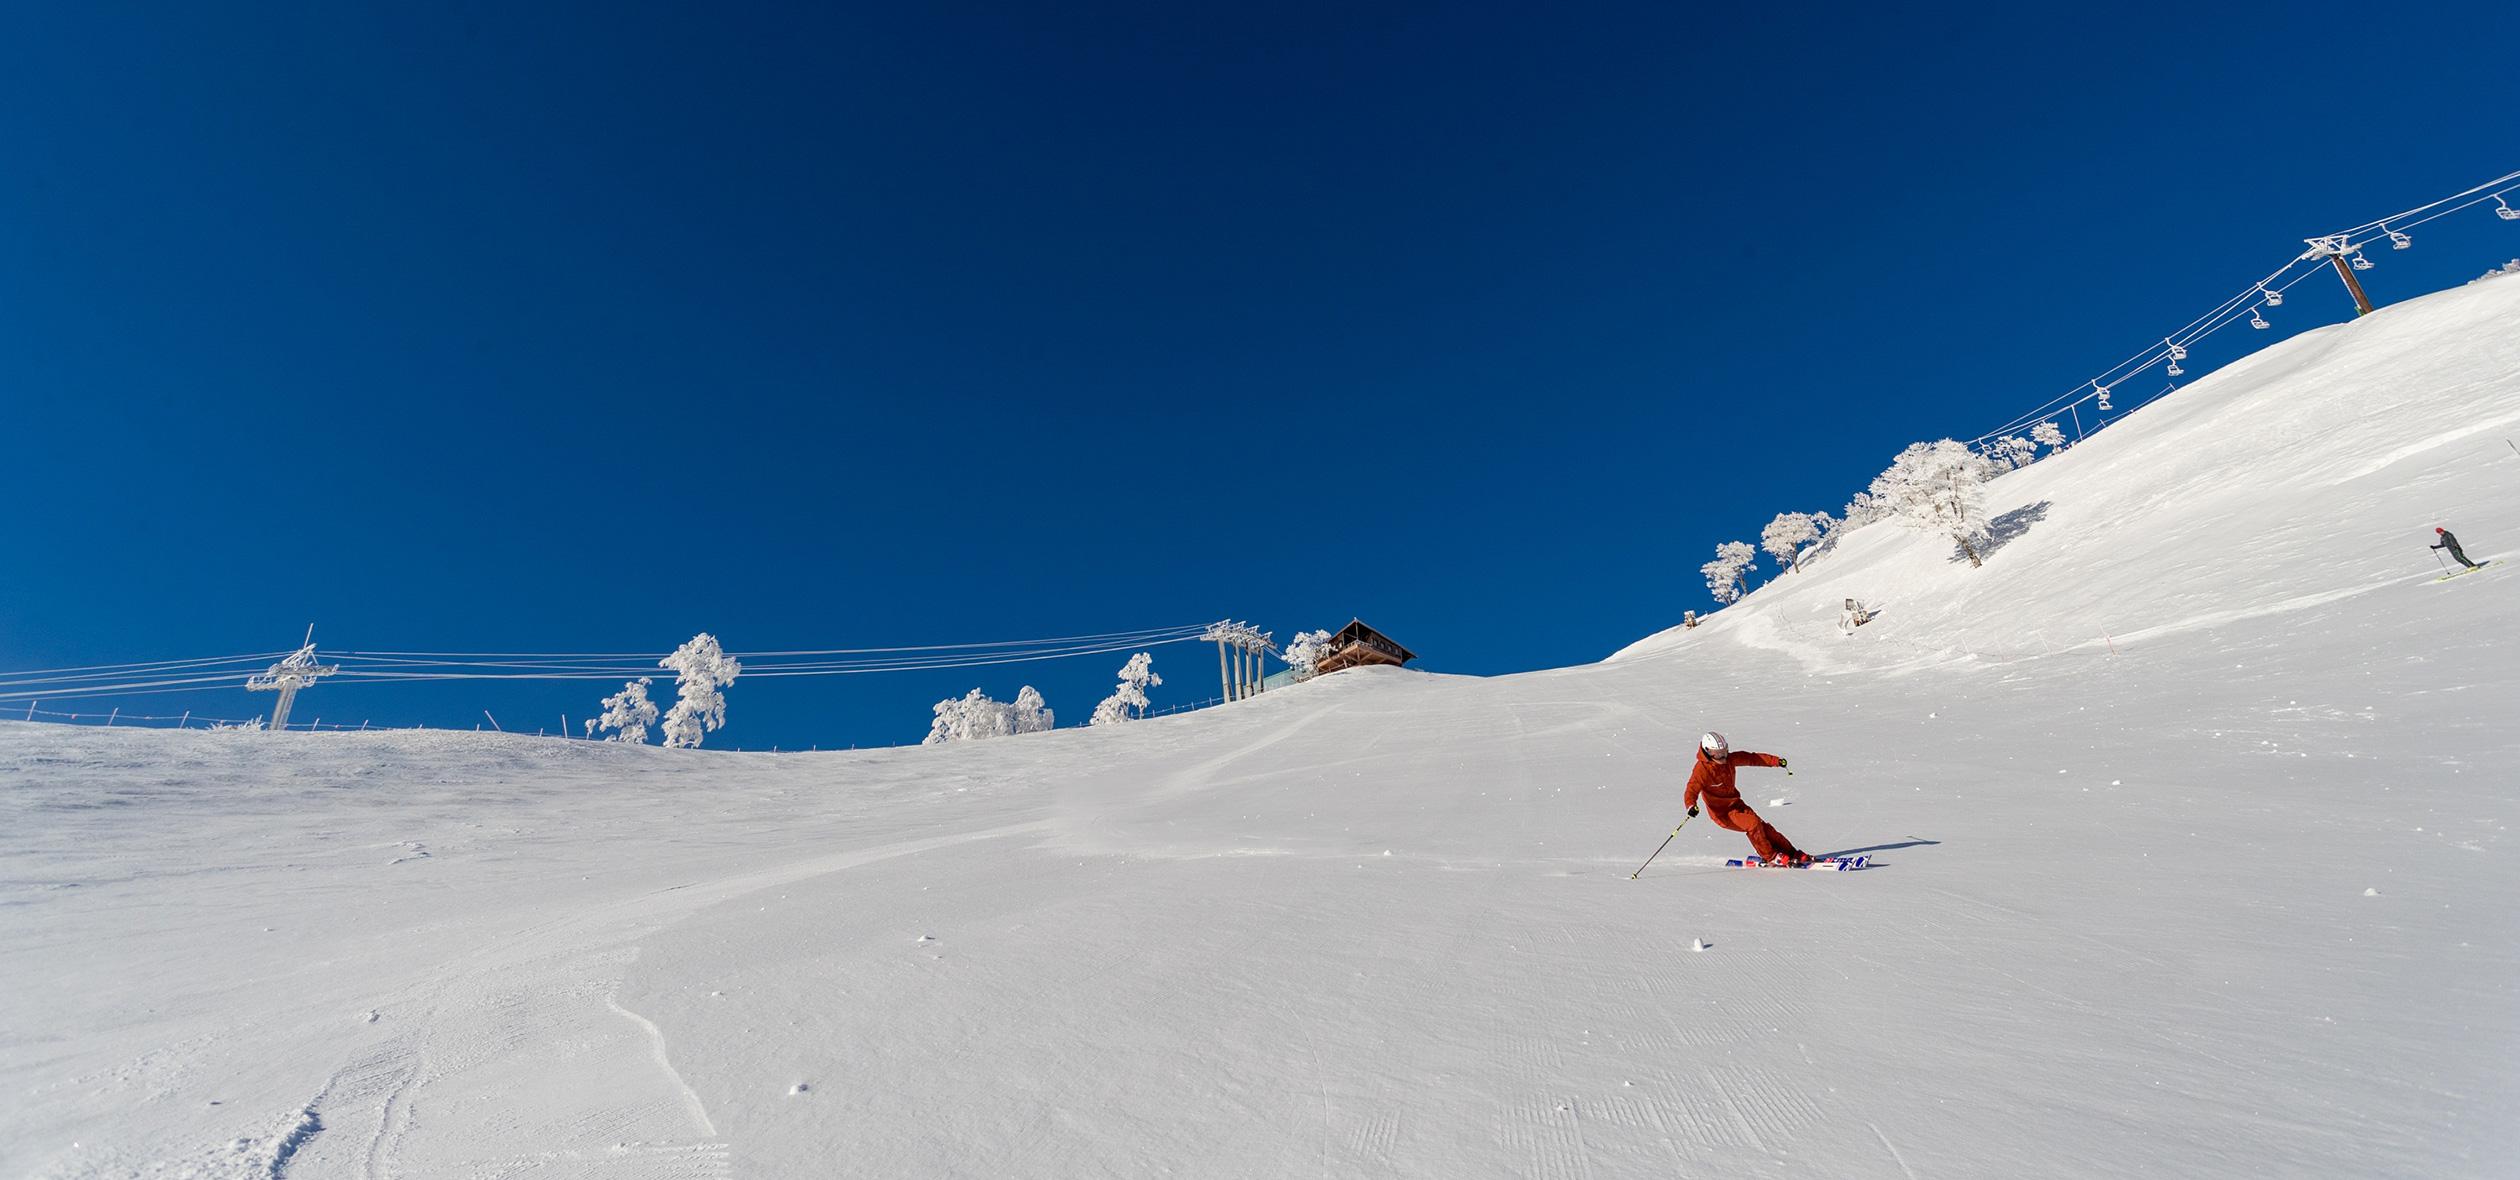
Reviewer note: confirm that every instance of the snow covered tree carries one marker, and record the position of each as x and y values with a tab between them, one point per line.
1938	487
1128	702
2049	435
969	717
1304	652
1785	537
1863	510
973	716
2014	451
700	670
1030	713
1723	575
627	714
953	720
946	725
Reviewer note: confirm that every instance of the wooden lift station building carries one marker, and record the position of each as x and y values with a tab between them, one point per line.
1357	644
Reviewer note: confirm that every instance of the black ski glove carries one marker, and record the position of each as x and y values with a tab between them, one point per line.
1693	813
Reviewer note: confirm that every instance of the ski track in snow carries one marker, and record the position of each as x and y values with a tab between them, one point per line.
2226	902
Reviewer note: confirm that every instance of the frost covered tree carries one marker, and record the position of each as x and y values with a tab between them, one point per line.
1723	575
974	716
1863	510
1787	535
700	670
1128	701
1938	487
955	718
627	714
969	717
2014	451
2049	435
1029	713
1304	652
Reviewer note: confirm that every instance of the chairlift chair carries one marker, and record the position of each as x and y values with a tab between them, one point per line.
2273	298
2258	321
2399	241
2504	211
2362	263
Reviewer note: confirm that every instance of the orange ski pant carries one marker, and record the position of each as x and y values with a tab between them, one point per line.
1736	815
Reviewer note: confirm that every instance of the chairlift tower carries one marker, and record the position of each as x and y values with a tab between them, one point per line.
1240	671
2336	249
288	676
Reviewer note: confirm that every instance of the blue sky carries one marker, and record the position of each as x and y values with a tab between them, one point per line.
554	328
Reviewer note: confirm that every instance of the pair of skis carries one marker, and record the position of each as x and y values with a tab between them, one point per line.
2460	572
1825	864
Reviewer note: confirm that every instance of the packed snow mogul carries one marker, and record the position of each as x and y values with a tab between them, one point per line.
1712	779
2450	541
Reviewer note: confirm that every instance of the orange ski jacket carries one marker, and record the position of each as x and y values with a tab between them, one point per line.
1714	779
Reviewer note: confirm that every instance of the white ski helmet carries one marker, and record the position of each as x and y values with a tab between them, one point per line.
1714	744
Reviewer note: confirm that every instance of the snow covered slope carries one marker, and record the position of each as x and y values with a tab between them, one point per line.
2308	473
2231	901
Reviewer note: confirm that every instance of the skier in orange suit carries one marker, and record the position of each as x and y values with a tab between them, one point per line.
1712	779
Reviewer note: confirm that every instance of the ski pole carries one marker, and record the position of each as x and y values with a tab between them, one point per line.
1684	822
2445	562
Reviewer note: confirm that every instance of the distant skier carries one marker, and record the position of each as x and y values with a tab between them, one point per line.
2450	541
1712	778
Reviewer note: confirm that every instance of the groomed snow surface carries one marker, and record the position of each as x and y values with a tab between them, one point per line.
2190	818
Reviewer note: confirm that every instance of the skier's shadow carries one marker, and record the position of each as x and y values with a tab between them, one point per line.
1910	843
